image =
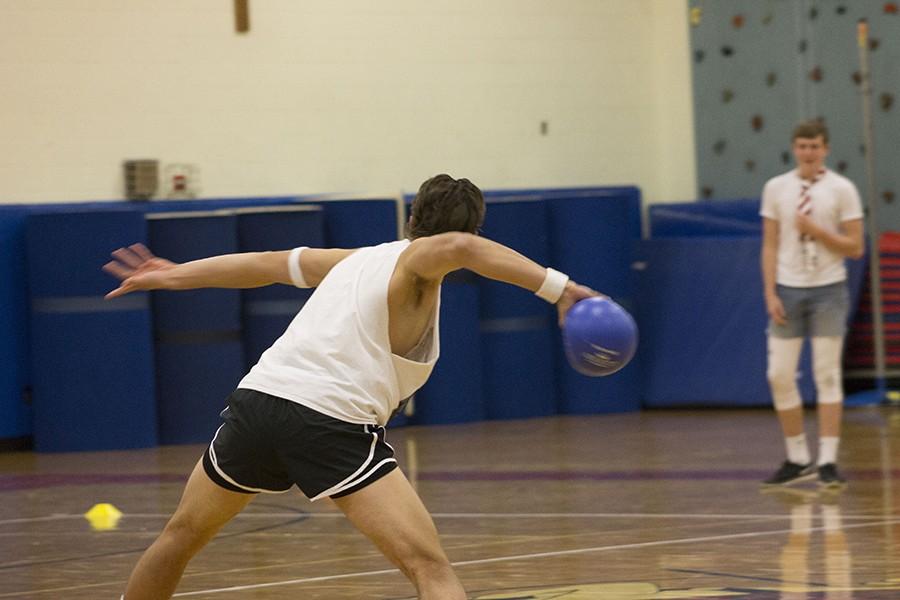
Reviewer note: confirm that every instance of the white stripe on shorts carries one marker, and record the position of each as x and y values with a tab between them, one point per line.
355	477
367	475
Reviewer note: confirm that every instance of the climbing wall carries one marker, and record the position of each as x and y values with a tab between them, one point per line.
761	66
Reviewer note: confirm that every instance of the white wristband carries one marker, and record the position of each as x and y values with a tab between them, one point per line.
294	268
553	286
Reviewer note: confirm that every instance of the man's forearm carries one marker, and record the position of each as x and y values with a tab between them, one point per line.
769	256
246	270
495	261
842	244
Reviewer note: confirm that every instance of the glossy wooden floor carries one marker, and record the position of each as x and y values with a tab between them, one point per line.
638	507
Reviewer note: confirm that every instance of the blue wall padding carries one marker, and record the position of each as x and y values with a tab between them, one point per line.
592	240
516	326
612	190
731	218
358	223
15	411
199	352
352	224
455	391
519	371
741	209
92	360
267	311
703	327
194	378
630	195
16	414
590	243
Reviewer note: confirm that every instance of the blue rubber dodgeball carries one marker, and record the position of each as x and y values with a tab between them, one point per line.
599	336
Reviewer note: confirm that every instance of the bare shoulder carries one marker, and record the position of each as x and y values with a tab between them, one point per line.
408	287
316	263
430	258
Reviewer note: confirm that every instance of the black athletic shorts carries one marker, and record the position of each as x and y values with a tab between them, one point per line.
268	444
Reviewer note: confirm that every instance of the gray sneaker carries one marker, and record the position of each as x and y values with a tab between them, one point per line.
790	473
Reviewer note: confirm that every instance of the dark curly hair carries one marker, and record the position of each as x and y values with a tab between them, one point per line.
446	204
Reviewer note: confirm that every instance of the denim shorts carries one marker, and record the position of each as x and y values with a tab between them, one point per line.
813	312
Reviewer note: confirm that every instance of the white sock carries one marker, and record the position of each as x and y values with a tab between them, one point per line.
797	450
828	448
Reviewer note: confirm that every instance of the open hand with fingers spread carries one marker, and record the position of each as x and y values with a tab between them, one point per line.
138	269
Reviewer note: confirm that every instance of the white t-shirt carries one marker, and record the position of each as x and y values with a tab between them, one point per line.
335	357
834	200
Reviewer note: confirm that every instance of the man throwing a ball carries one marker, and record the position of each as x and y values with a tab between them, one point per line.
312	411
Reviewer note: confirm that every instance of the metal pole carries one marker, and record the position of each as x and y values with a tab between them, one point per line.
862	31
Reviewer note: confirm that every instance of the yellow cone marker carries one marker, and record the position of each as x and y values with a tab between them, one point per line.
103	517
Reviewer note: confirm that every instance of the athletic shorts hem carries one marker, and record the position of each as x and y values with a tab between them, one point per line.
380	470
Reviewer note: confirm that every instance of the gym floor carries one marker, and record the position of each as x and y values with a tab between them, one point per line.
658	504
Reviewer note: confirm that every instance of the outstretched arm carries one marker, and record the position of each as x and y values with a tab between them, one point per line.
431	258
140	270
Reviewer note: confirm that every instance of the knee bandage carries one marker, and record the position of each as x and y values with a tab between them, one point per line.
782	372
827	368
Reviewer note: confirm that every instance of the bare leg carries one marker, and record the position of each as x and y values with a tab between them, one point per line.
391	514
204	509
791	421
830	419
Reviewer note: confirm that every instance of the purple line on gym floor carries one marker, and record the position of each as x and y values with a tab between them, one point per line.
9	483
640	475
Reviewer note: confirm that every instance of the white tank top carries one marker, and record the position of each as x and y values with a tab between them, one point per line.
335	356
